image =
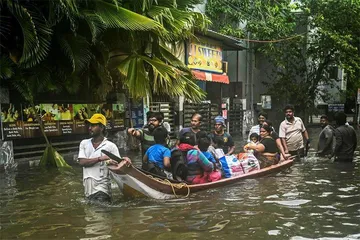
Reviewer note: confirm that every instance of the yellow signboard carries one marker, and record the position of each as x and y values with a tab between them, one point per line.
204	56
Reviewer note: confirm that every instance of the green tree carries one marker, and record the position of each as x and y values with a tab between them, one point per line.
66	45
302	41
147	61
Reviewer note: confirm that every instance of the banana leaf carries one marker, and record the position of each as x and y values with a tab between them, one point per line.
51	158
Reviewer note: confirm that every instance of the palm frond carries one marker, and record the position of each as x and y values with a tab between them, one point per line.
136	76
163	78
102	77
40	80
6	69
69	5
170	58
5	27
25	20
118	17
35	34
95	23
22	86
192	91
72	83
77	50
159	13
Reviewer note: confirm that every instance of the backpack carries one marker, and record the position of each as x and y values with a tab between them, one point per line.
179	168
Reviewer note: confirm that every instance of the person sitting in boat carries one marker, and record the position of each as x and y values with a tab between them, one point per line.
217	147
254	140
275	136
157	157
219	131
196	121
266	150
146	134
197	163
203	145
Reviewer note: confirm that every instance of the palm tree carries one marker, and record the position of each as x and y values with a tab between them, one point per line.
65	44
148	61
48	45
70	40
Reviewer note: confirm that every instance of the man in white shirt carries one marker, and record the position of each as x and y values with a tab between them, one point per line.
262	116
96	177
292	133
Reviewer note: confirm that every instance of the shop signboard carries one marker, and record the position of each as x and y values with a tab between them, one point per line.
80	113
31	126
11	121
20	121
339	107
66	122
204	55
118	116
137	114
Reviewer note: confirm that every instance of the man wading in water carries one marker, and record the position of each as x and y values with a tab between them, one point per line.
326	144
346	140
292	131
96	177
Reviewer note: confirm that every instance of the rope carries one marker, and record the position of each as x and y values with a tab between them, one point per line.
173	185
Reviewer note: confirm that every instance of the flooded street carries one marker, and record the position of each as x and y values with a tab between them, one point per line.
314	200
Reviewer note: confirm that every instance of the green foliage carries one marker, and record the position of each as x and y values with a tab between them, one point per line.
263	18
50	46
51	158
150	66
71	41
302	41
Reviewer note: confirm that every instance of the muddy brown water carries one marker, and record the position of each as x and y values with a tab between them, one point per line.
316	199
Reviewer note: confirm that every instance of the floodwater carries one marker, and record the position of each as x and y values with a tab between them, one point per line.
316	199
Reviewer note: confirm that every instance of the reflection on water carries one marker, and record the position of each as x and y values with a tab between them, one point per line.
314	200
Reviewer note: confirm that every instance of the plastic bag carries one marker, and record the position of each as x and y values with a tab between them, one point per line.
231	166
248	162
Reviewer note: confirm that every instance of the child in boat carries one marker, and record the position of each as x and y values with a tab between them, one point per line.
254	140
203	145
216	148
198	165
157	157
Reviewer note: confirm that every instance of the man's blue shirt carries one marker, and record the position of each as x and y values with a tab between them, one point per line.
156	154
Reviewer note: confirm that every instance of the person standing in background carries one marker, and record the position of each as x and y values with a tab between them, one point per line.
346	140
262	116
292	133
326	142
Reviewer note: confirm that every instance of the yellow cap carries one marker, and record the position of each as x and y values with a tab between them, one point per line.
97	118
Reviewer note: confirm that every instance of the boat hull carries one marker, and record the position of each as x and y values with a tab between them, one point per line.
134	183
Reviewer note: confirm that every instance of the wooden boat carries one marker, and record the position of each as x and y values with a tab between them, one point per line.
134	183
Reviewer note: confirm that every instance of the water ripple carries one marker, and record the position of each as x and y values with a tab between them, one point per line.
290	202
